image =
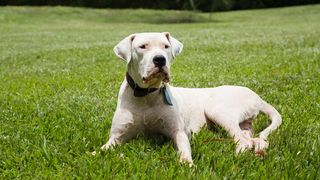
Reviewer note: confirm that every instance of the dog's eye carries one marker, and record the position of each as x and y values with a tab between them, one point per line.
142	46
166	46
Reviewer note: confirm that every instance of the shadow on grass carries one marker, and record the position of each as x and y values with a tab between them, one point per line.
158	17
179	18
52	14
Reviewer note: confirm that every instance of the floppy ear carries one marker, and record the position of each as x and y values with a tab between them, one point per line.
176	45
123	48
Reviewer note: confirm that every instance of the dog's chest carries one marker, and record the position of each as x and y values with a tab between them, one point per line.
150	115
154	118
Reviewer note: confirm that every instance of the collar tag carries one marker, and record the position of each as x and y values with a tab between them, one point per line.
166	96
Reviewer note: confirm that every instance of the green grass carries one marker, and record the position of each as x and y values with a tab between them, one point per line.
59	81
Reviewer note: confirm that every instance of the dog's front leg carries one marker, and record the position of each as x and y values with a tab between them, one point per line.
122	129
183	146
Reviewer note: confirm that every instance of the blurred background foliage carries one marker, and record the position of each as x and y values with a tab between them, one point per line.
200	5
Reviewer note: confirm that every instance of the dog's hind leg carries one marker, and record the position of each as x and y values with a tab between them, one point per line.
231	125
259	144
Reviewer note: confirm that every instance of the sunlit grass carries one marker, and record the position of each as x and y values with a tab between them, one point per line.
59	81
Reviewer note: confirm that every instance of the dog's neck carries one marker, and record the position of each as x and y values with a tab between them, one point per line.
142	92
137	90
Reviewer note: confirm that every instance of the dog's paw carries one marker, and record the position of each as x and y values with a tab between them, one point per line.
106	147
186	160
243	145
260	145
109	145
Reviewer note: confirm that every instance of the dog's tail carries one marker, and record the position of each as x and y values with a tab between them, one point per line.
275	117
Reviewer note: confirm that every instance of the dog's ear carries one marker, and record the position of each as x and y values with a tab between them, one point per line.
176	45
123	48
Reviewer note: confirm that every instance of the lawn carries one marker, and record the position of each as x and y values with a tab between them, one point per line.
59	81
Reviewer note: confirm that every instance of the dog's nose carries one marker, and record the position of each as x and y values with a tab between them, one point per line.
159	61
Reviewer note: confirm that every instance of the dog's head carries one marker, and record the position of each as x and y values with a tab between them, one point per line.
148	57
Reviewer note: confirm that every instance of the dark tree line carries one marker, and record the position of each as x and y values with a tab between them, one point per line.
202	5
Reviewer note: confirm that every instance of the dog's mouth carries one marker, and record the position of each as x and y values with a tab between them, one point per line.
156	74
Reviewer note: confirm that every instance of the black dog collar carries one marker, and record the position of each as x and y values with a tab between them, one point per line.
141	92
138	91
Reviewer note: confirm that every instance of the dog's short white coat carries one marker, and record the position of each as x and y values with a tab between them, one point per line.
231	107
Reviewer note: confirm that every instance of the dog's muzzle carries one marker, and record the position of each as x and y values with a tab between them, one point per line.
159	71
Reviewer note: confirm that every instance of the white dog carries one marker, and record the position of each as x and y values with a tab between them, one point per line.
148	104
